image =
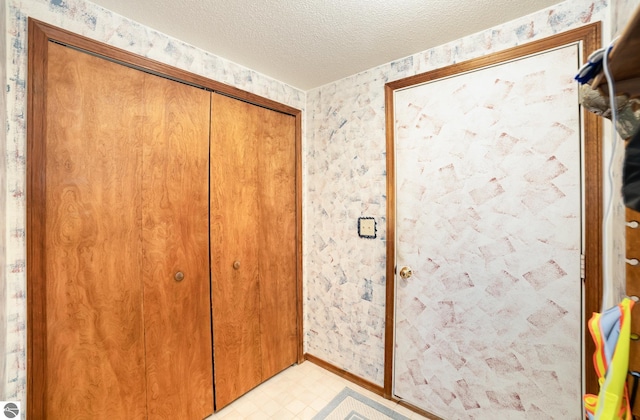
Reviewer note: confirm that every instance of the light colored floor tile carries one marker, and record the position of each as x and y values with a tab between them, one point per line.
299	392
284	414
296	406
271	408
228	413
284	398
258	415
245	407
307	397
259	397
307	413
271	390
324	392
319	404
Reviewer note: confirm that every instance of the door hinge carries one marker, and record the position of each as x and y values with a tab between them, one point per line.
583	270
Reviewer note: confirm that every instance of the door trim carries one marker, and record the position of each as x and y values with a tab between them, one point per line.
589	37
39	35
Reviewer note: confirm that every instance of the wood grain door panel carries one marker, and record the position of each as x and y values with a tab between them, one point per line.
277	200
95	349
253	222
234	238
126	208
175	196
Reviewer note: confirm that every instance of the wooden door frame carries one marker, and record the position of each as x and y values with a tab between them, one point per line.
39	35
589	38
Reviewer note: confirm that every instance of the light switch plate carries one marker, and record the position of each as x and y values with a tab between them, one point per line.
367	227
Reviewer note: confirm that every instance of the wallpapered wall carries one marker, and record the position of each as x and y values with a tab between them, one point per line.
345	275
3	200
94	22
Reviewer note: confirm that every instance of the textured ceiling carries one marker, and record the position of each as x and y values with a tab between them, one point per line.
308	43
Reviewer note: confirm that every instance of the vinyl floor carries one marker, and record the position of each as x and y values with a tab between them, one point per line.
299	392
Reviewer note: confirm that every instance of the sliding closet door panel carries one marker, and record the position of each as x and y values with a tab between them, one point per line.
234	249
94	350
277	198
175	193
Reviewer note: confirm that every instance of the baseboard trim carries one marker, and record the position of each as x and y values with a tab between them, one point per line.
377	389
416	409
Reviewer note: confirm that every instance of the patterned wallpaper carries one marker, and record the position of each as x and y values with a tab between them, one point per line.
345	152
94	22
3	196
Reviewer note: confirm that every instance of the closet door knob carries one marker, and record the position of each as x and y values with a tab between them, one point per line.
236	265
179	276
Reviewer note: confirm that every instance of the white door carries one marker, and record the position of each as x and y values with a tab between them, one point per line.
488	181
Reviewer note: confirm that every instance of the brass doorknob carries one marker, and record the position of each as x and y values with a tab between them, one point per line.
406	272
236	265
179	276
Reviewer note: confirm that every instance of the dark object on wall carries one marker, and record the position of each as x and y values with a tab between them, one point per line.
631	174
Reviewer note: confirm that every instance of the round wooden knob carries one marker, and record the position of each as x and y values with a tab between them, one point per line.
236	265
179	276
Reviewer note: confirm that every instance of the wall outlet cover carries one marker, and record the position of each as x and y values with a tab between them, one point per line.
367	227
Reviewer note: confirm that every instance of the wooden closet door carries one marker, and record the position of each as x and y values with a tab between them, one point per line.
253	239
94	367
234	240
277	241
126	208
175	230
